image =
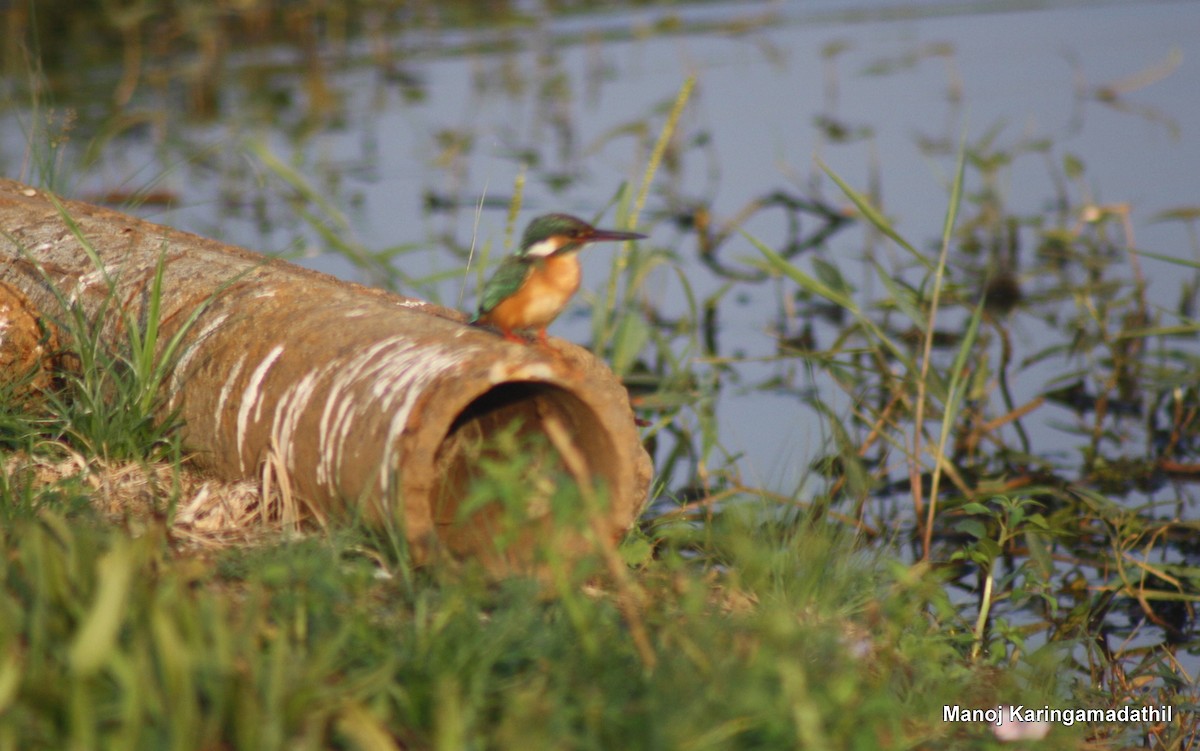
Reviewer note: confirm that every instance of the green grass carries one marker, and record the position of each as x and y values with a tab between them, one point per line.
110	406
120	642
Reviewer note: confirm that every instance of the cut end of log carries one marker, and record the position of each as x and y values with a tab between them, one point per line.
28	345
505	429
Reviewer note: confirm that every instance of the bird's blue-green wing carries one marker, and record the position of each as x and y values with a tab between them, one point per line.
507	279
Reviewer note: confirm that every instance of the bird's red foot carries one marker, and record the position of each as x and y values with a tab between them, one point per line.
513	337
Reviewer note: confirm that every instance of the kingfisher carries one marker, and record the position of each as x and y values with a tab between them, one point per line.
533	285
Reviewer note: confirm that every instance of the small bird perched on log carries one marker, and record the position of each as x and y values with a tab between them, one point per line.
532	286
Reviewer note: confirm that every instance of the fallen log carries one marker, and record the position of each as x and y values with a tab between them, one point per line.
356	398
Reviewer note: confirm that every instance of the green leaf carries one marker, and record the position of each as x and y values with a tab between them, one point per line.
1073	166
94	641
986	551
972	527
628	341
10	679
873	215
781	266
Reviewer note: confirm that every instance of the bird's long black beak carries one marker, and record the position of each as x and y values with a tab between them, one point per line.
601	235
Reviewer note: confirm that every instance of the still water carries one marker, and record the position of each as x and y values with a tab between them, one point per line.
391	142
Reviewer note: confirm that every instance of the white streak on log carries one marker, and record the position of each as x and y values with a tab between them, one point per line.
252	399
338	404
373	365
288	411
105	276
226	390
397	370
408	378
502	371
185	358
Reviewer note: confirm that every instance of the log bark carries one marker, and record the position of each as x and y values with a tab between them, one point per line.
362	399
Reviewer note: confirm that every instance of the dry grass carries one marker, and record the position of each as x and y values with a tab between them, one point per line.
203	511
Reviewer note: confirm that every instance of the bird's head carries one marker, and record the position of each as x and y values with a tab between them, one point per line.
554	234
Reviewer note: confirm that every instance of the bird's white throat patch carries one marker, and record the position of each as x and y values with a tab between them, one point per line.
543	248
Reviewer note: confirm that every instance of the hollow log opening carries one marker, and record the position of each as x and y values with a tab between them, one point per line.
496	451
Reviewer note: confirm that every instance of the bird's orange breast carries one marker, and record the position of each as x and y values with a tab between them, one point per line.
547	289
